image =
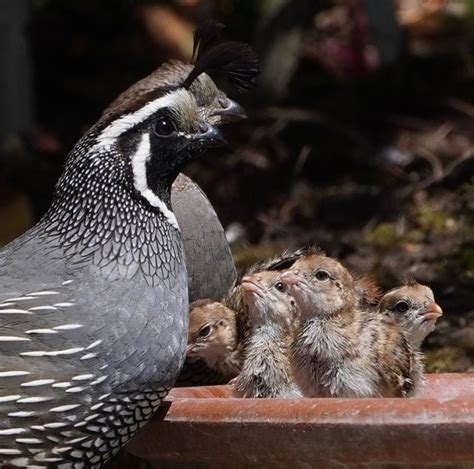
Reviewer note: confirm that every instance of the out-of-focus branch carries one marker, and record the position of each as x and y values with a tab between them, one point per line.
280	42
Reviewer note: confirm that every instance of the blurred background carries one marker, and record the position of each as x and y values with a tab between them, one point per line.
360	135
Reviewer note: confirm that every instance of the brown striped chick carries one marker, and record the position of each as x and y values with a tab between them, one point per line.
222	344
272	313
341	349
413	306
213	342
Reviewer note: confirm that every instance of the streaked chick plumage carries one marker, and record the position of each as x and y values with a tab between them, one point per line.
341	349
196	372
273	316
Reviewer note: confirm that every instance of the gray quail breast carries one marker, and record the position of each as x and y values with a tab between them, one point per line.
94	298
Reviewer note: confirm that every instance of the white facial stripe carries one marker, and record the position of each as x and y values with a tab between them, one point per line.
139	161
128	121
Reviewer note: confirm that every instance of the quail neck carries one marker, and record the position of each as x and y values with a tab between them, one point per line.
114	195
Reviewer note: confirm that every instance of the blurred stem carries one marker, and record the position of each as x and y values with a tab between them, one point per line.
16	96
386	33
280	42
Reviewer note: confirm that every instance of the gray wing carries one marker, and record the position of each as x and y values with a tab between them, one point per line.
211	269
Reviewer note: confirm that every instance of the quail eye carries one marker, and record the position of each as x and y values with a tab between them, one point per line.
401	307
321	275
279	286
164	127
205	331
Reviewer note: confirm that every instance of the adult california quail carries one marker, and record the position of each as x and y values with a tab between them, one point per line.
94	299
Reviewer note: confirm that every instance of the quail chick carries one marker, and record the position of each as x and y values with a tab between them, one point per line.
195	371
213	338
272	313
341	349
414	308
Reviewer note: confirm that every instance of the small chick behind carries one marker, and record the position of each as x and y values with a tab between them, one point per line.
272	313
213	354
414	308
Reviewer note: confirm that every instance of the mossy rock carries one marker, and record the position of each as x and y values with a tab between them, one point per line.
447	359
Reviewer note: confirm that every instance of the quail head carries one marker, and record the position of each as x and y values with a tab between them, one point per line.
340	349
213	337
272	314
268	301
321	286
235	298
93	299
413	306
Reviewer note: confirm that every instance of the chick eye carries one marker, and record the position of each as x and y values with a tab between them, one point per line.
164	127
401	307
205	331
321	275
279	286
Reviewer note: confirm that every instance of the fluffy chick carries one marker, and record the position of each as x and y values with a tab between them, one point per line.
212	337
224	345
413	306
213	354
341	349
272	313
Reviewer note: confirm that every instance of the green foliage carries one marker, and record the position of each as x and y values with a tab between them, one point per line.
383	235
431	220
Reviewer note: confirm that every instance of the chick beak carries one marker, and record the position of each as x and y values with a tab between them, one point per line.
230	112
290	277
189	350
210	136
250	285
432	312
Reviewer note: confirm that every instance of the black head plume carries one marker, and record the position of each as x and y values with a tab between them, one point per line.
206	35
236	60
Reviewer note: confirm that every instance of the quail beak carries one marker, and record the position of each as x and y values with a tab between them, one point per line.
210	136
290	278
432	312
250	285
230	112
